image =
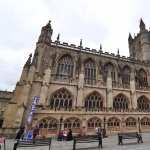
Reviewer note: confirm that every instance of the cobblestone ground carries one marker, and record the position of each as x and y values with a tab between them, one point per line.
109	143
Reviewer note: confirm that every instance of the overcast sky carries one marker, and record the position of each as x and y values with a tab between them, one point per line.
95	21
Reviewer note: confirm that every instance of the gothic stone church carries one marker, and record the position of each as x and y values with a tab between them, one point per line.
83	88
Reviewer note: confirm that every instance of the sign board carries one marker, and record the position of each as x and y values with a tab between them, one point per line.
32	110
29	135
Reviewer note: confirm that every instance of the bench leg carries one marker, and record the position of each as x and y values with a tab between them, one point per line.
138	140
74	144
15	146
4	145
50	141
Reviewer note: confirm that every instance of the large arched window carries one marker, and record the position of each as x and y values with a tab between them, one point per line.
143	103
94	122
130	122
145	122
126	76
141	79
65	68
61	99
89	72
120	102
94	102
49	123
113	122
71	123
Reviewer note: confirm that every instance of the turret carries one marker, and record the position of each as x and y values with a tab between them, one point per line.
144	40
42	51
130	39
142	25
139	46
26	68
46	34
28	62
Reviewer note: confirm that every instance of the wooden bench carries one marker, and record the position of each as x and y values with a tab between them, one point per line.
129	135
87	139
32	143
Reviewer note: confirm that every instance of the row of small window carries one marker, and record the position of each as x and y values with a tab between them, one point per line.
90	125
130	123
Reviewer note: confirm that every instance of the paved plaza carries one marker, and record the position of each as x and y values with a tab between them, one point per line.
109	143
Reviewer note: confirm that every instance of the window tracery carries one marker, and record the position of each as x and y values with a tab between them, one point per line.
126	76
65	68
61	99
143	103
113	122
90	72
94	122
49	123
72	123
141	79
145	122
94	102
120	102
130	122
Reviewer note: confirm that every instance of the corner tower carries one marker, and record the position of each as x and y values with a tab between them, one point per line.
139	46
33	82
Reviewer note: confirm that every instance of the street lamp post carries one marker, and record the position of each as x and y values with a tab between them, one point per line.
104	131
139	124
61	119
60	138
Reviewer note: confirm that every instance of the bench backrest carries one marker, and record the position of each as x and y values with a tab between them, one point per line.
31	143
91	137
131	134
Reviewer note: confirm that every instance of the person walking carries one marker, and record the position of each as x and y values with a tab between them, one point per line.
19	136
20	133
35	132
99	134
69	135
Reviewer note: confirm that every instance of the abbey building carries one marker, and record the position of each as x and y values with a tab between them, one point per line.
83	88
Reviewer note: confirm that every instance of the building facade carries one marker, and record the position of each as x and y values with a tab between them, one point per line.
82	88
5	97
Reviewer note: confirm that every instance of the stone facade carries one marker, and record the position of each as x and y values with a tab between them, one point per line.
5	97
82	88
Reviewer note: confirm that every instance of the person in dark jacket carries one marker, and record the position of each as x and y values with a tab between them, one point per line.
99	134
20	133
69	135
35	132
